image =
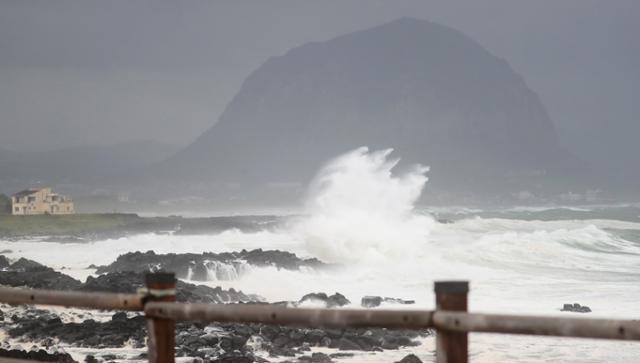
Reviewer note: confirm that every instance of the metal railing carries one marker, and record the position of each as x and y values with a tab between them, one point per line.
451	320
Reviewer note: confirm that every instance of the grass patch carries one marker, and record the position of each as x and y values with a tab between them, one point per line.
73	224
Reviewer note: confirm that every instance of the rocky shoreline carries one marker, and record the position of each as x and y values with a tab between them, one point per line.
208	266
216	342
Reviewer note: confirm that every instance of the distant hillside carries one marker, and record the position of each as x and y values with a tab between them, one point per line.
429	91
88	165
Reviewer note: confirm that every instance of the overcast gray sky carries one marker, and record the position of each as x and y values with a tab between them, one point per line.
100	72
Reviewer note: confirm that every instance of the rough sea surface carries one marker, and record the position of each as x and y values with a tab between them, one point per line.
362	217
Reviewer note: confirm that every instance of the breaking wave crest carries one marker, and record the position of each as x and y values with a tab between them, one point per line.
359	210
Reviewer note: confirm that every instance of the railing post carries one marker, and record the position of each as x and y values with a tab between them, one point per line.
451	347
162	332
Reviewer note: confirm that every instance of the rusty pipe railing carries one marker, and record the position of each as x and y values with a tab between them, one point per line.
537	325
91	300
280	315
450	319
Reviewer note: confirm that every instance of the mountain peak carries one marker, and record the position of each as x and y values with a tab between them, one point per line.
429	91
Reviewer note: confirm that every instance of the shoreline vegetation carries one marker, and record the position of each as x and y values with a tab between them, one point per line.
112	225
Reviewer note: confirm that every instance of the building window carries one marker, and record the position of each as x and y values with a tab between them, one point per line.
17	209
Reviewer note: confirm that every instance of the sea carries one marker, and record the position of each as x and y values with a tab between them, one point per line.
363	217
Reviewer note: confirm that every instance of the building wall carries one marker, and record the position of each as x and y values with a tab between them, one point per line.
42	201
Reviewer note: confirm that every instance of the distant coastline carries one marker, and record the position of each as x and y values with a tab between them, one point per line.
90	227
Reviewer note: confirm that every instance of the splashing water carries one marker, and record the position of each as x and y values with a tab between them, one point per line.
359	211
361	214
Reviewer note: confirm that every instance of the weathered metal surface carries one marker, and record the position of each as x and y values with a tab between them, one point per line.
279	315
162	331
450	319
451	346
537	325
90	300
16	360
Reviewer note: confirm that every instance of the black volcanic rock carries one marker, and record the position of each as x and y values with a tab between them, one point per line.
375	301
24	264
36	356
199	267
29	273
4	262
576	308
332	301
432	93
206	341
411	358
113	333
129	282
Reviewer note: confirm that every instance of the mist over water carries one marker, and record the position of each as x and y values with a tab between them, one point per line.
360	211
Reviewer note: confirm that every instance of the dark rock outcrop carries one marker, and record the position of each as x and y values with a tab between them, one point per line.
129	282
375	301
4	262
29	273
411	358
36	355
42	326
335	300
223	342
213	341
286	341
208	266
315	358
576	308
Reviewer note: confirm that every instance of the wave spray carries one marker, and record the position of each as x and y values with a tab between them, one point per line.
360	211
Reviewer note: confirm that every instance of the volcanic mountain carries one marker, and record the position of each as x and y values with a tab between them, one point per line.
430	92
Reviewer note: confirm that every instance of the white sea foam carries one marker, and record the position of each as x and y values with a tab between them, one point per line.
360	211
362	215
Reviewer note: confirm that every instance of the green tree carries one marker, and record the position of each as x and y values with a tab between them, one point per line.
5	204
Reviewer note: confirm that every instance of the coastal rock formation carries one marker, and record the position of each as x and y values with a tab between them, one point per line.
575	308
213	342
210	342
36	356
29	273
4	262
411	358
42	326
209	266
335	300
375	301
315	358
129	282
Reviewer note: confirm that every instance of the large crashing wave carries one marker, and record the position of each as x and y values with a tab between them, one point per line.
359	211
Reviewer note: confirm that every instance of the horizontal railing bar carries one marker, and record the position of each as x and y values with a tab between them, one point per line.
17	360
280	315
537	325
400	319
336	318
91	300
